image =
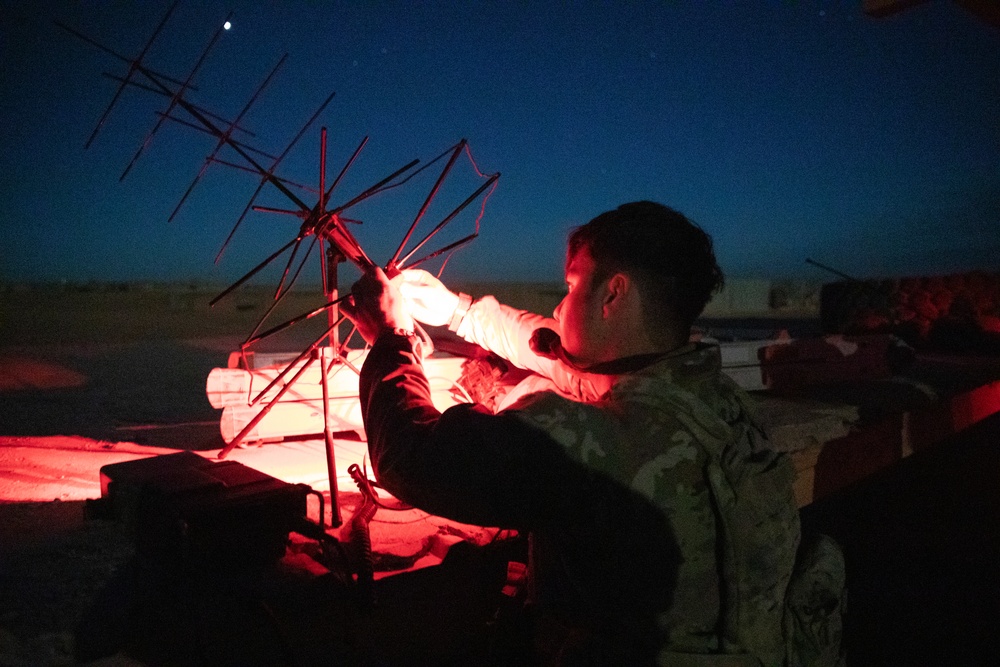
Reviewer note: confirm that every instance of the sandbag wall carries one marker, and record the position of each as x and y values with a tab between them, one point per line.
957	312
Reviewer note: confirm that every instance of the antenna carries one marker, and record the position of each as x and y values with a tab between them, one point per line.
324	225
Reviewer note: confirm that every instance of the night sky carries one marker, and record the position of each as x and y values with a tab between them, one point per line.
788	130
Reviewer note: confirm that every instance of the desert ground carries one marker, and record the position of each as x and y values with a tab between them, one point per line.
98	374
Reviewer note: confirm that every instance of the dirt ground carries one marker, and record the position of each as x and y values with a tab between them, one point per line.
85	380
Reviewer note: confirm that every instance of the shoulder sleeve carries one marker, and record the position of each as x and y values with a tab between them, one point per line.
507	331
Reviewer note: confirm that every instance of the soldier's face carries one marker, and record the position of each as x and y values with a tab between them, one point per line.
580	312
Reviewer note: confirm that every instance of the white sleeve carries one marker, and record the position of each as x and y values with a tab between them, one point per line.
506	331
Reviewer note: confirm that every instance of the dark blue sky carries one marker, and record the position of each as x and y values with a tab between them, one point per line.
787	129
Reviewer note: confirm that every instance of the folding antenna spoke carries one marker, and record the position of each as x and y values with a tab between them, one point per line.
107	112
451	216
248	148
385	183
279	295
201	172
134	84
295	320
341	351
251	170
239	220
312	244
376	188
254	271
95	43
305	353
440	251
427	202
263	413
201	129
354	156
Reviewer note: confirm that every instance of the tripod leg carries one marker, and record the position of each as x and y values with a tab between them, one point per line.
326	360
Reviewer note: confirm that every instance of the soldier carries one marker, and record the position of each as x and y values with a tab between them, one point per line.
662	527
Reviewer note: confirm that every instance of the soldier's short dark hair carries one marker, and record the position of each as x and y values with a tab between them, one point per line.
670	257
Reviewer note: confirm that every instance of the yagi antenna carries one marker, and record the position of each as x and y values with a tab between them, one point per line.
135	65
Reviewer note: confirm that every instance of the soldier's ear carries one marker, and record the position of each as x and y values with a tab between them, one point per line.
618	288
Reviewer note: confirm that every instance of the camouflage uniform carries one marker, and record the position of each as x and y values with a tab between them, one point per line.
660	523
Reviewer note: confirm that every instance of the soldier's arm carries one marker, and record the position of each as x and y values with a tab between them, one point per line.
466	463
507	331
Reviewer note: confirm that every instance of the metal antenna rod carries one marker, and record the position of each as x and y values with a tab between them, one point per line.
250	274
375	188
270	173
175	99
451	216
305	353
384	184
427	202
322	170
832	270
198	128
251	170
267	408
226	137
288	264
133	65
347	165
295	320
279	297
440	251
298	271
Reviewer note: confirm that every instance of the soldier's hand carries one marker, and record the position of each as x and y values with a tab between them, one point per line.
427	299
376	305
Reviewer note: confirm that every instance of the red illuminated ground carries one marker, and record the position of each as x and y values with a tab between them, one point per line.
69	410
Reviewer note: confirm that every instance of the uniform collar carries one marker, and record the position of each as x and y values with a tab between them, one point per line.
638	362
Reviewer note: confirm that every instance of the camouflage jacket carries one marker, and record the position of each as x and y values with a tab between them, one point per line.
659	520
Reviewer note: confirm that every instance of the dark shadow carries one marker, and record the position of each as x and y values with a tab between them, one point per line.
53	561
922	544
